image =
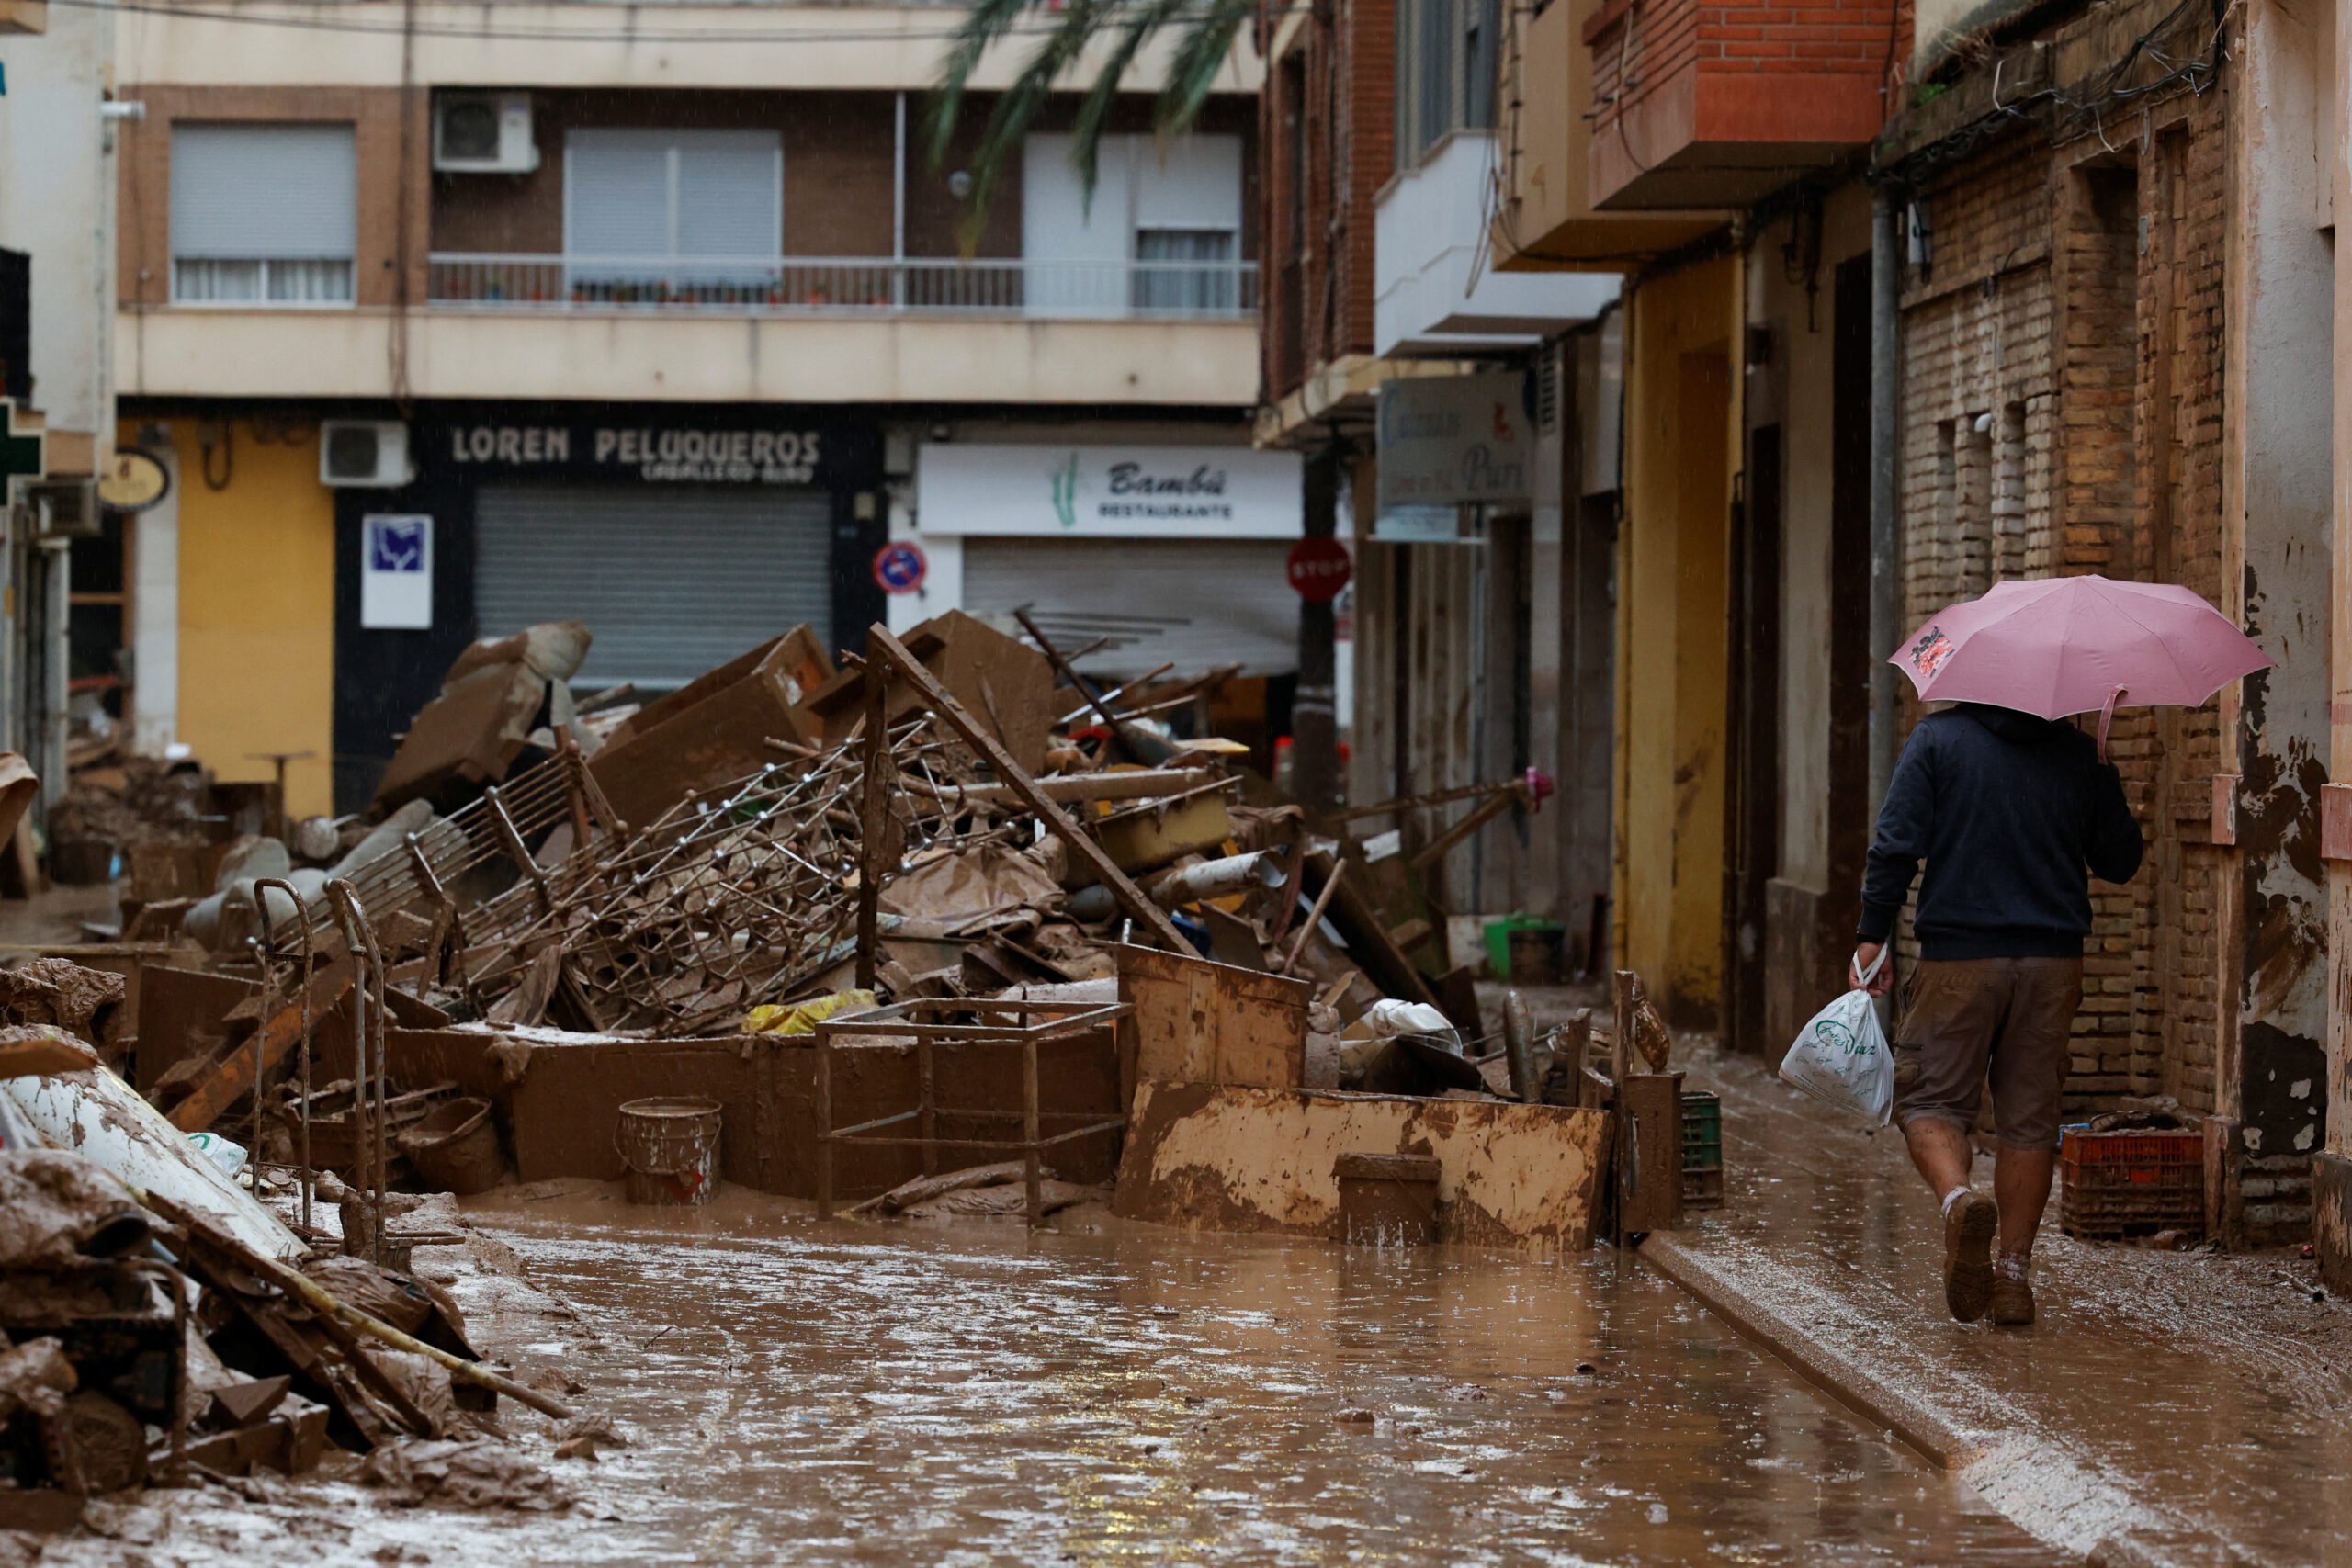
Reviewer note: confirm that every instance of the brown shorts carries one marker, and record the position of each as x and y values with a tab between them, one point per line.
1963	1017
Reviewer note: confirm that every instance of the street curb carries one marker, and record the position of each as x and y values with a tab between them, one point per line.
1843	1379
1864	1392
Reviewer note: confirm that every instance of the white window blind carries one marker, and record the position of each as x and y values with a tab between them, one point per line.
264	213
703	208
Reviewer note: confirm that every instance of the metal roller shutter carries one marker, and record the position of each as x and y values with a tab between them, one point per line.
287	192
671	578
1196	604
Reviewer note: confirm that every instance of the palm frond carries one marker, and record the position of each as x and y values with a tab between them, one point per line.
1206	32
984	26
1095	114
1202	49
1017	106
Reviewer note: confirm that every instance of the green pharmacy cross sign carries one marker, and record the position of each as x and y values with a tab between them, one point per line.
24	454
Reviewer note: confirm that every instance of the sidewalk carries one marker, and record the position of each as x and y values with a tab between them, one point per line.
2168	1407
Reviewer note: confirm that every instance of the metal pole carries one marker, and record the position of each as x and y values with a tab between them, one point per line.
898	208
874	821
1886	540
1030	1130
1314	719
57	659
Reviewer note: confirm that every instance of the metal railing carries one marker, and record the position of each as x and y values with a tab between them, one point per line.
781	285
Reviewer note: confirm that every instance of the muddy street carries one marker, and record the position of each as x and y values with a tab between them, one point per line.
805	1393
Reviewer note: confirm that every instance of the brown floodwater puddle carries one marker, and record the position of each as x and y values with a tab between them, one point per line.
801	1392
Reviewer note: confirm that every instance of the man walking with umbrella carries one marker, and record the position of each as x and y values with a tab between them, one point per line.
2013	809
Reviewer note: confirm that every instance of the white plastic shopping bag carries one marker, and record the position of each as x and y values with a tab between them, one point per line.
1842	1055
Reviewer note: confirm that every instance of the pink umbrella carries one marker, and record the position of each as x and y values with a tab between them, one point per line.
2055	646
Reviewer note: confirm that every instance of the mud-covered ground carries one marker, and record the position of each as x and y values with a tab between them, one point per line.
845	1392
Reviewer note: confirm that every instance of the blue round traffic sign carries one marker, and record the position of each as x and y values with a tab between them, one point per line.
899	567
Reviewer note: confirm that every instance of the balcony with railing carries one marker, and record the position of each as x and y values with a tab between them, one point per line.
791	286
1175	332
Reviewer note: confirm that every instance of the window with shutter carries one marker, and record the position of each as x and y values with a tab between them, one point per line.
673	216
1161	235
263	213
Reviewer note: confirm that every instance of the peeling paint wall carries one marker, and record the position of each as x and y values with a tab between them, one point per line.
2273	1066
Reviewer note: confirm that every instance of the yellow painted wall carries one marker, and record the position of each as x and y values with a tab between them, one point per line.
257	608
1673	632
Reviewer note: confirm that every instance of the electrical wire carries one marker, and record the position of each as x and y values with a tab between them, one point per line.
2064	116
534	35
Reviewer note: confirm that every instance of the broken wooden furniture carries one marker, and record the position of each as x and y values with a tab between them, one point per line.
959	1027
1191	1020
716	726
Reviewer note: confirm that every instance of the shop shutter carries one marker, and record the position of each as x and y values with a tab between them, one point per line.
268	192
671	578
1197	603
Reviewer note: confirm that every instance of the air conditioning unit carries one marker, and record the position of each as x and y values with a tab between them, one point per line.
364	454
483	133
65	509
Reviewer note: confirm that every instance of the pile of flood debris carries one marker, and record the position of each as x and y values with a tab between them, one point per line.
160	1323
939	929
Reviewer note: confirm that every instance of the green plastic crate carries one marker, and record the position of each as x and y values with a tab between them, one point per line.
1703	1150
1498	934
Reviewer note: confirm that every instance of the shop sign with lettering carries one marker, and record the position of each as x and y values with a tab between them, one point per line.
1201	492
1447	440
656	453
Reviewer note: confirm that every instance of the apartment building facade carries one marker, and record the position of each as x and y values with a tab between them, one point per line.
454	322
1957	294
1434	395
64	561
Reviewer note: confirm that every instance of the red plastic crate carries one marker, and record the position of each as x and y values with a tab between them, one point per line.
2131	1183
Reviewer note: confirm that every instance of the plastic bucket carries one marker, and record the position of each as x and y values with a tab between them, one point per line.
669	1150
454	1148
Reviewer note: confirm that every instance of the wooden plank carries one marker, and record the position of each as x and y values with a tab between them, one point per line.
1619	1048
1148	915
233	1076
1650	1196
1359	921
1428	859
58	1053
873	823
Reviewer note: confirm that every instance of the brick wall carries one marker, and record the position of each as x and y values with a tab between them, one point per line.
1334	86
144	175
2062	412
1639	50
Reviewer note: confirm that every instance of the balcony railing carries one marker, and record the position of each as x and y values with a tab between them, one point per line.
783	285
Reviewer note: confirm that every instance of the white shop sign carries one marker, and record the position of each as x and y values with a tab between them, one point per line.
1417	525
1195	492
1446	440
396	572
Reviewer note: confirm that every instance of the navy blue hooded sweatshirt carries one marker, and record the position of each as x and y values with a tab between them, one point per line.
2008	810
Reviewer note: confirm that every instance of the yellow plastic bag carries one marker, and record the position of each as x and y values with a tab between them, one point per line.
802	1018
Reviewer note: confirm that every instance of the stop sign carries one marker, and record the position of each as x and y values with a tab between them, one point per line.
1318	568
